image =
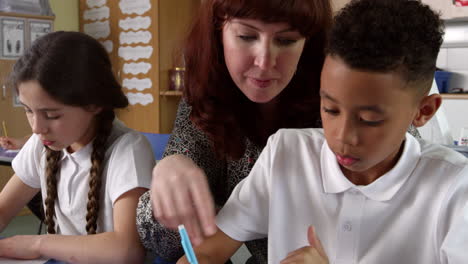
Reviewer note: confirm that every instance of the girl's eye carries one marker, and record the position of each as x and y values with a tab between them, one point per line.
27	111
330	111
285	41
247	38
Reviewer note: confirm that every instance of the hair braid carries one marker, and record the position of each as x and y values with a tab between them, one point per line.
52	168
105	119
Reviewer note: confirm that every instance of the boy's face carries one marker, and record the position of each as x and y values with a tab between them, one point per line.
365	117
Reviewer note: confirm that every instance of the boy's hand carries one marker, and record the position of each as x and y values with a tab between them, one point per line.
313	254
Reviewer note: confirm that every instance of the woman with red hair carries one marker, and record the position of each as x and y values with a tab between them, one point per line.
252	67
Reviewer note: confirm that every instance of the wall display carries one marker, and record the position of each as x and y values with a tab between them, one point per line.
139	98
38	28
95	3
12	35
97	13
136	68
99	29
135	23
132	37
138	84
135	53
138	7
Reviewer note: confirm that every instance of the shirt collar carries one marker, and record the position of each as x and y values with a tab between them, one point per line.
385	187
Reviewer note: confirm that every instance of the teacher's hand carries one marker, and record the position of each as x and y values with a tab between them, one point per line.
180	194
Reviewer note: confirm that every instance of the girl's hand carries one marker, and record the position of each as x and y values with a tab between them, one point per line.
180	195
313	254
11	143
20	247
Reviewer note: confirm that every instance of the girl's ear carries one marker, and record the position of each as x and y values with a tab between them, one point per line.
94	109
427	109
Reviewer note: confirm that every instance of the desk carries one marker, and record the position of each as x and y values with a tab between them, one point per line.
6	156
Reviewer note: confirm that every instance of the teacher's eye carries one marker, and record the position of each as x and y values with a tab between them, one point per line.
247	38
285	41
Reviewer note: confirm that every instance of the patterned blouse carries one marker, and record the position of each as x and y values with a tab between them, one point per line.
222	176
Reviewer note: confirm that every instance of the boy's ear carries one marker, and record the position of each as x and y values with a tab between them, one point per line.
427	109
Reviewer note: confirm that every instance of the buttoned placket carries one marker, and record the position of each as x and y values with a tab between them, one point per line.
349	226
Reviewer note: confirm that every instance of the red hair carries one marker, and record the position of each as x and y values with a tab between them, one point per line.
218	106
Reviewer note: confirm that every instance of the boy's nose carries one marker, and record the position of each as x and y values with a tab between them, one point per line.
347	133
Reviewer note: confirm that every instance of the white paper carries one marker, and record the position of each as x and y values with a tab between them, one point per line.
95	3
99	29
97	13
108	45
139	84
135	37
136	67
135	23
135	53
21	261
138	7
139	98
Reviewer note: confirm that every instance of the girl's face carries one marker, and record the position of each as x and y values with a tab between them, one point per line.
58	126
261	58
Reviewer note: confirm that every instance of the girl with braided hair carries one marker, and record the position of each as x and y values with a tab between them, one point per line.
89	167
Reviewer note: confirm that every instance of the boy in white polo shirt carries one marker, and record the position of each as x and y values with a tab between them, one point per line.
372	192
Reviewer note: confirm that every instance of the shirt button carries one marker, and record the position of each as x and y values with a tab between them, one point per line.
347	226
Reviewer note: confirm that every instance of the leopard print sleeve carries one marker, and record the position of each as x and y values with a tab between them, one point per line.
185	139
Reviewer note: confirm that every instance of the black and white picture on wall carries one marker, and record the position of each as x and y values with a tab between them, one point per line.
12	37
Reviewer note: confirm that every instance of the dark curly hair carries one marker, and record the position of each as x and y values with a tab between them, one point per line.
402	36
219	108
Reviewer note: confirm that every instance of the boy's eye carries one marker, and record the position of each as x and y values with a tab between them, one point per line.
247	38
52	117
371	123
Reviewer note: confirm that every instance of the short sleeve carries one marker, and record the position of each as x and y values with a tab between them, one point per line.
29	164
130	165
245	215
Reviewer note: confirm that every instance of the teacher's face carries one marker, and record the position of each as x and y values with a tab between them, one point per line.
261	57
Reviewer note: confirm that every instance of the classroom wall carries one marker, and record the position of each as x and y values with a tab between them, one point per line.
66	14
455	59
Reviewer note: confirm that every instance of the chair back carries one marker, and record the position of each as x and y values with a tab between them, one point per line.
158	143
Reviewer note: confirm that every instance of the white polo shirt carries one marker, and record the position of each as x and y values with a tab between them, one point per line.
128	164
402	217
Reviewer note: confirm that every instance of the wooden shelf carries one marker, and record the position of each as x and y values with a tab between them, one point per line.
171	93
455	96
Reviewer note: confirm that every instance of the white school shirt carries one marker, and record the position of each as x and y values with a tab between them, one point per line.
128	164
402	217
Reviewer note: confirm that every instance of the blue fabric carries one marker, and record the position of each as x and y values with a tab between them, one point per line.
158	143
159	260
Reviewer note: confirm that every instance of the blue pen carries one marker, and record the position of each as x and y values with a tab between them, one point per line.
187	245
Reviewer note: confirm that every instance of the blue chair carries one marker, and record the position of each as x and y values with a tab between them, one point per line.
158	143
